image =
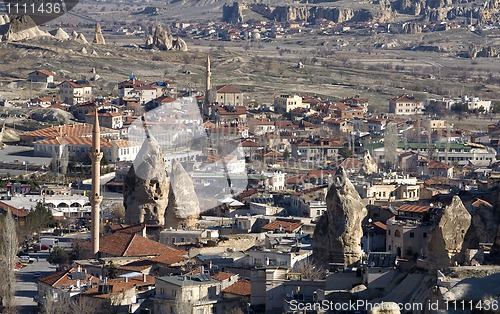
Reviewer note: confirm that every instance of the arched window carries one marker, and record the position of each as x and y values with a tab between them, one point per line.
397	234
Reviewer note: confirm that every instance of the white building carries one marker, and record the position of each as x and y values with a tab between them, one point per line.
78	148
405	105
286	103
75	92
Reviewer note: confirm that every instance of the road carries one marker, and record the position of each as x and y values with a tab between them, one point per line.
26	287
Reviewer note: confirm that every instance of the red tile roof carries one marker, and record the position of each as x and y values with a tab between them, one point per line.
479	202
13	210
86	141
44	72
119	286
75	84
222	276
287	226
380	225
123	244
63	278
241	287
228	89
413	208
70	130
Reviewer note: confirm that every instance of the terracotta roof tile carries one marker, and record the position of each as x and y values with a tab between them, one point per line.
241	287
222	276
44	72
227	89
413	208
123	244
13	210
287	226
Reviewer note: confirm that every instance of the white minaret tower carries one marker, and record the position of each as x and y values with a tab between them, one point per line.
208	86
95	197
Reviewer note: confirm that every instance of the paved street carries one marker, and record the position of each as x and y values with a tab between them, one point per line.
26	286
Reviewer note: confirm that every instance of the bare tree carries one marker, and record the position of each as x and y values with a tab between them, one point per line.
391	140
8	262
309	270
84	305
118	212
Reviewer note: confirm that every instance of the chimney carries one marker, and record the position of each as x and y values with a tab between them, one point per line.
144	277
126	279
202	269
79	268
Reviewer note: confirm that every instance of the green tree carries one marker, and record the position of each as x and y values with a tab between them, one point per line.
58	256
40	218
112	270
286	154
345	152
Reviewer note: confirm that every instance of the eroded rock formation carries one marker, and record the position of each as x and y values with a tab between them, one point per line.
81	39
385	308
146	188
183	208
369	164
60	34
446	241
18	28
163	40
98	37
337	235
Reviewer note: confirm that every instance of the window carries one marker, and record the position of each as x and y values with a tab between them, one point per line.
424	235
412	235
162	291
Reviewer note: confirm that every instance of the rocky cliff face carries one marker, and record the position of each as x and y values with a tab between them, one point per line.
98	37
146	188
232	13
446	241
337	235
183	208
431	10
302	13
495	250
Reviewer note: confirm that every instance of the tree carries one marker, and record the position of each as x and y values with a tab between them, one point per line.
345	152
286	154
118	212
112	270
391	139
58	256
40	218
309	270
8	262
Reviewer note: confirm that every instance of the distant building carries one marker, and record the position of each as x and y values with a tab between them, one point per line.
227	95
78	148
75	92
41	76
406	105
111	120
407	238
286	103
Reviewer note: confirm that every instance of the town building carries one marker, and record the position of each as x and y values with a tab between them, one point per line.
75	92
406	105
